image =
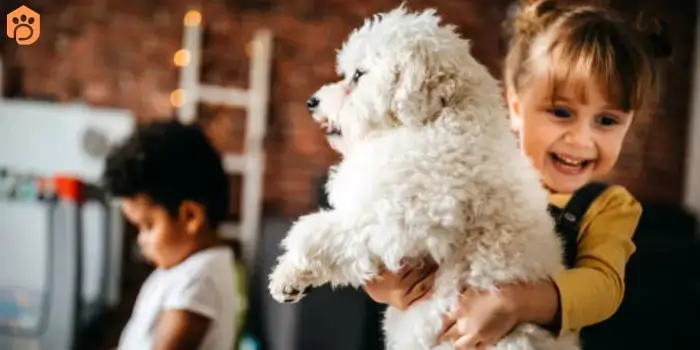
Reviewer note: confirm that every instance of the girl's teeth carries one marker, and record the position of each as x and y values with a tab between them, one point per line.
568	161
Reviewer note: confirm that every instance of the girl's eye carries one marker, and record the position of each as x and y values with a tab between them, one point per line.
559	112
606	120
358	74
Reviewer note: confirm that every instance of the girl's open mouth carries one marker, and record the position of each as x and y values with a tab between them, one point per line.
570	165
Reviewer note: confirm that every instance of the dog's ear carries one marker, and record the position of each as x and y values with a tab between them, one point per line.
419	91
408	103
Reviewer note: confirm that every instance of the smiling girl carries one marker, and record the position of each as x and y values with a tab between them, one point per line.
576	77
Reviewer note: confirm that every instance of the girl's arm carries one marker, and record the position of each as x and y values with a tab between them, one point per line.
592	291
585	295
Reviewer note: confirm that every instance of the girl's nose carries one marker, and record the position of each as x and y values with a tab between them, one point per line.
580	135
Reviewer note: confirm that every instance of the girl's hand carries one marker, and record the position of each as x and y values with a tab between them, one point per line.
401	289
483	318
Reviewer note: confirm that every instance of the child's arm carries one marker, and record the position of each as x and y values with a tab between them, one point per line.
585	295
180	329
592	291
188	310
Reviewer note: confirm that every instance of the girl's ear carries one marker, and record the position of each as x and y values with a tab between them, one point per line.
193	216
516	121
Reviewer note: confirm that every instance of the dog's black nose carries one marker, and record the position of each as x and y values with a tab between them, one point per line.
312	103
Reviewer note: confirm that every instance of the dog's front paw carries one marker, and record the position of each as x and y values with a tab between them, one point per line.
288	284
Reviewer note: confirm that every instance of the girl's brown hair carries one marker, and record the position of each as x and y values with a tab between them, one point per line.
587	43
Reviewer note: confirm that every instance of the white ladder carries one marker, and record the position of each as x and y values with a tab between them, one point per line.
250	164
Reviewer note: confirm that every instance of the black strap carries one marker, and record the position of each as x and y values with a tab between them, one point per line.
568	219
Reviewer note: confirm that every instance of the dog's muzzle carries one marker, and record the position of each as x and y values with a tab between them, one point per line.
330	130
312	105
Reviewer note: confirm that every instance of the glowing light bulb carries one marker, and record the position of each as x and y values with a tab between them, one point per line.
193	18
251	46
177	97
182	57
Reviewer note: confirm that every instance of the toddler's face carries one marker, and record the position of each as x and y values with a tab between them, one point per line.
161	237
571	139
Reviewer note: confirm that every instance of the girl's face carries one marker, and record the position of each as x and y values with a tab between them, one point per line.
569	139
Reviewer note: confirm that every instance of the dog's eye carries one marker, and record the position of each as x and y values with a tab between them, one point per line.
358	74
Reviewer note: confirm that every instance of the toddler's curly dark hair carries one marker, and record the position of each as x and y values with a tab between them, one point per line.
169	162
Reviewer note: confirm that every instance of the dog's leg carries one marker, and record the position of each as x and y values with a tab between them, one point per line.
321	248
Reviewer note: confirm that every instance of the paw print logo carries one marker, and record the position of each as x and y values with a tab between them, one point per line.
23	25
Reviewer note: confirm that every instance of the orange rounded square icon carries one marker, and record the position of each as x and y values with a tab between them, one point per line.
23	25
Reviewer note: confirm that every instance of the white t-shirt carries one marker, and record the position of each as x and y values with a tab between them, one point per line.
204	283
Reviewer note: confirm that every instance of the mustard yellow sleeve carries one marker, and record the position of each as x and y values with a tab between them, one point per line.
592	291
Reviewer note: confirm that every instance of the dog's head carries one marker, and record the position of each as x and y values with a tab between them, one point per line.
398	69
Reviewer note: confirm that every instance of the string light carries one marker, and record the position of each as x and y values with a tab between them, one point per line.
177	98
182	58
251	46
193	18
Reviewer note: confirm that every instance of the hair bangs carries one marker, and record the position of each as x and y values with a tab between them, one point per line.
594	52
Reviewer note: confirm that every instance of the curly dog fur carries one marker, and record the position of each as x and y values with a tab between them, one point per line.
429	169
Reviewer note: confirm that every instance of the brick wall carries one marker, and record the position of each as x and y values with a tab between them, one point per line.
653	164
119	53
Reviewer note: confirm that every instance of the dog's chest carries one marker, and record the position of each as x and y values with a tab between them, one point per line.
376	170
356	183
365	175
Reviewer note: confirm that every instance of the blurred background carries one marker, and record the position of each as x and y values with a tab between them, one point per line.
69	274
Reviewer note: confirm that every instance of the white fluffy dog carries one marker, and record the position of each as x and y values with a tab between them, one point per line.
429	169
